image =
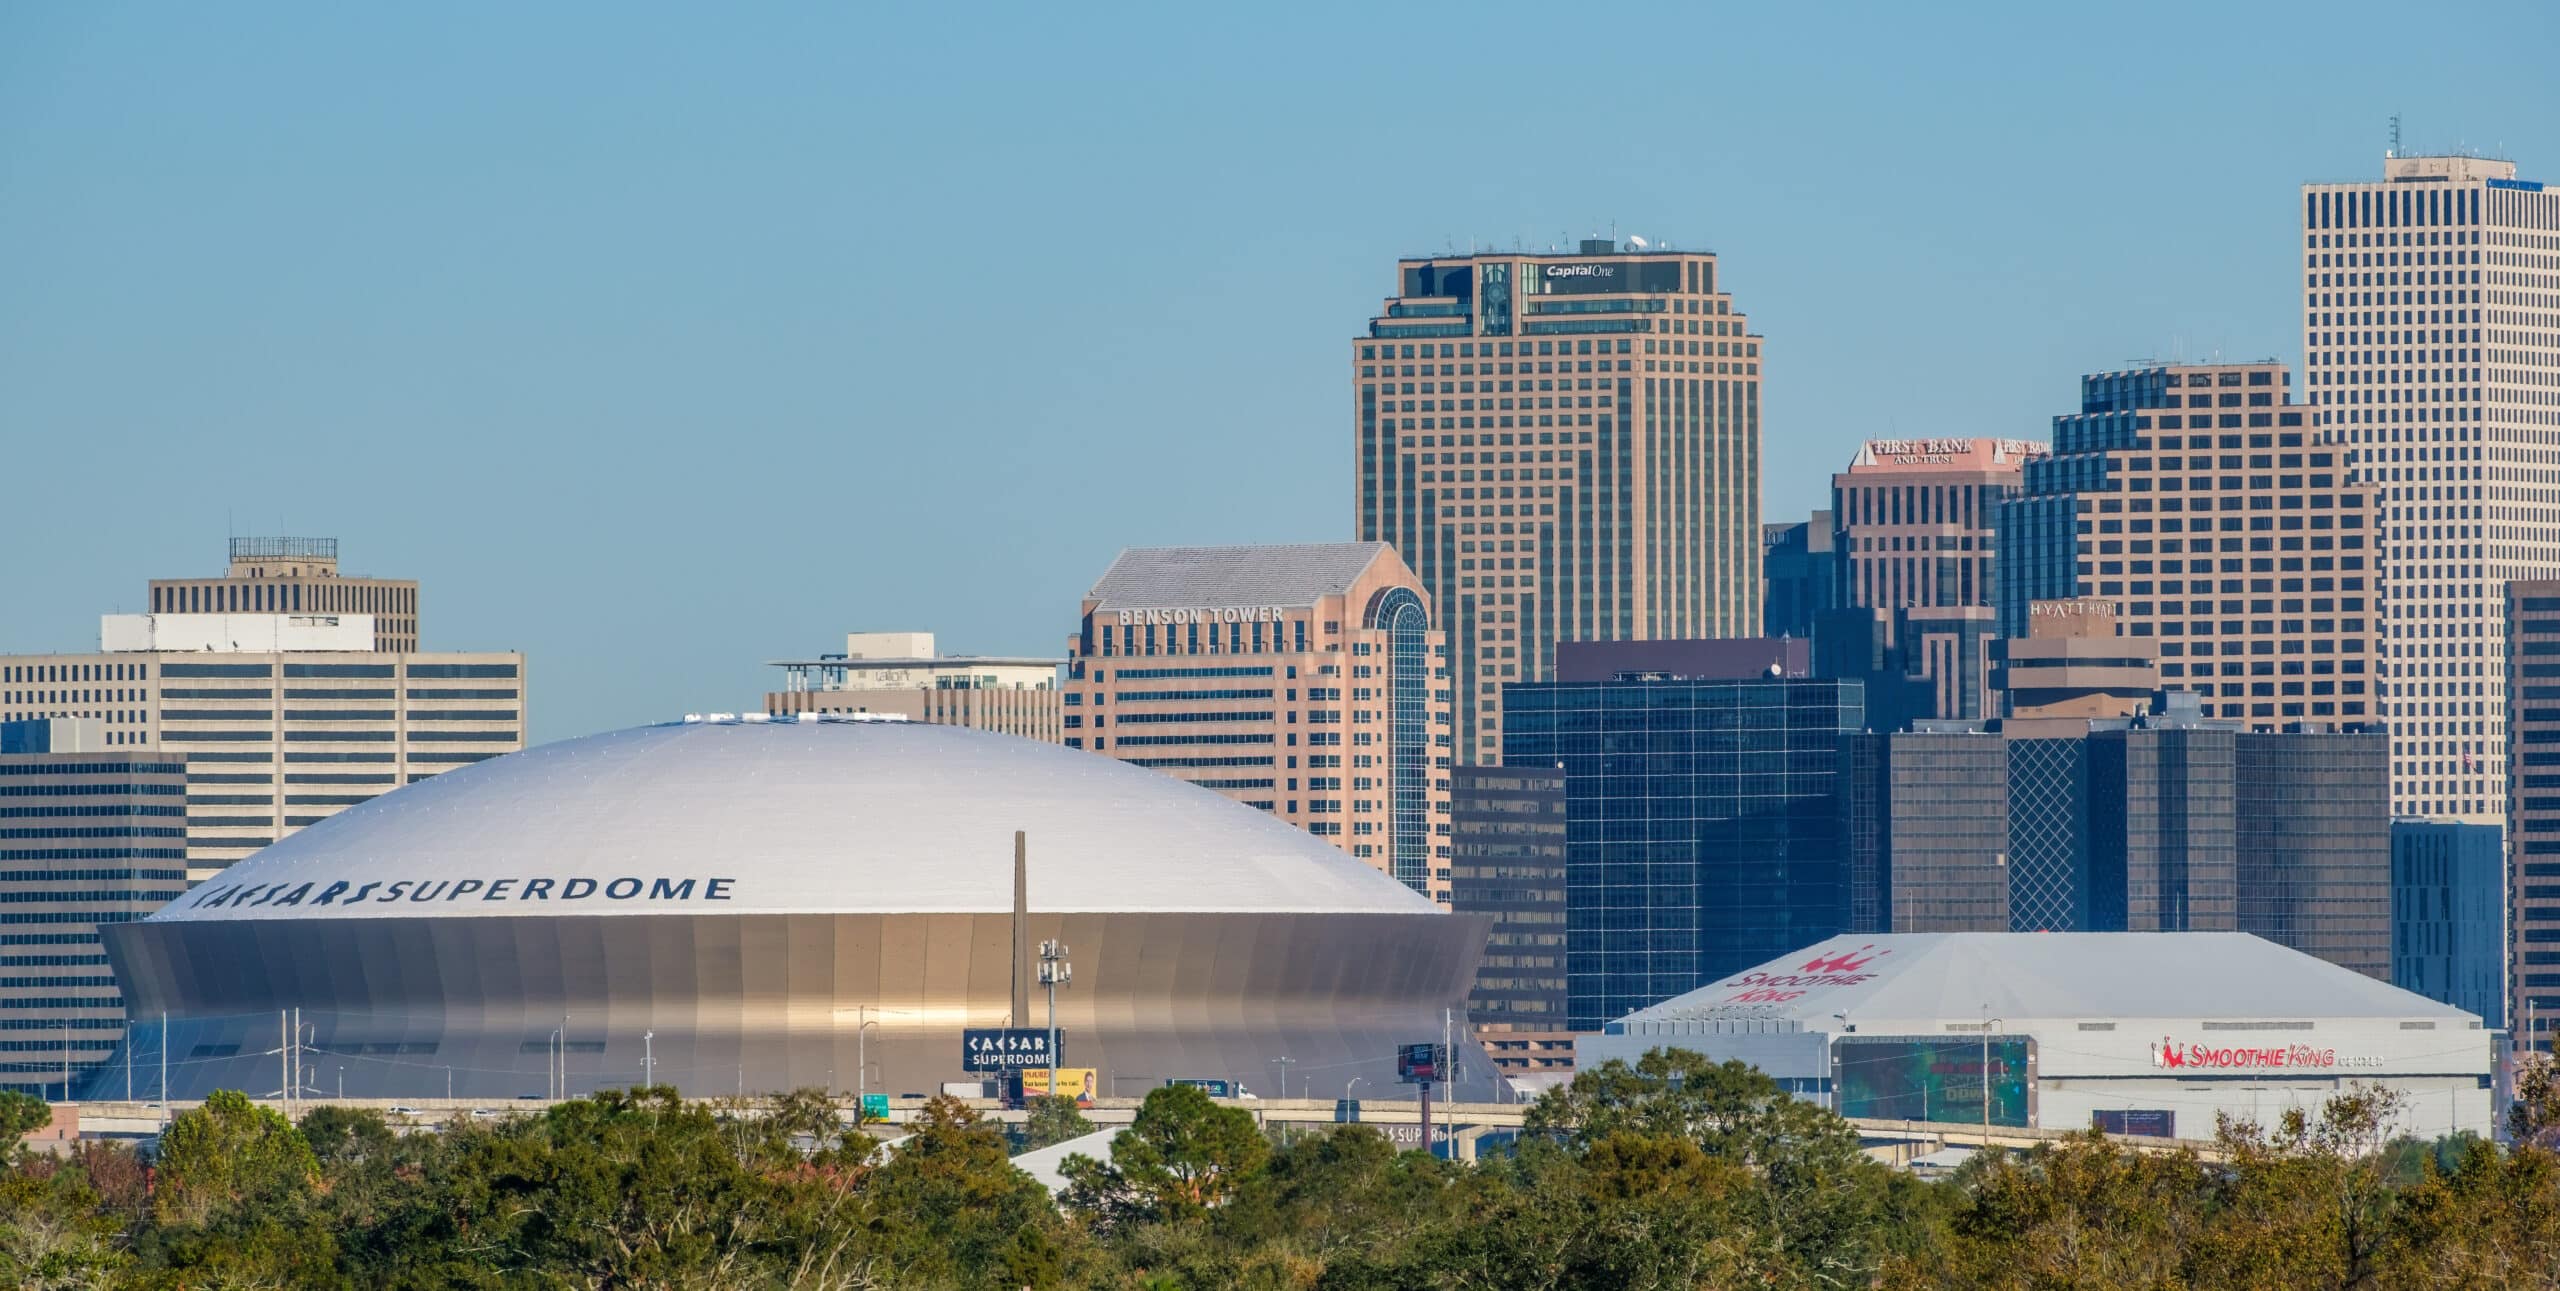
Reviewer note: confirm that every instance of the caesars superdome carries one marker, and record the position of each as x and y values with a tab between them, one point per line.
772	905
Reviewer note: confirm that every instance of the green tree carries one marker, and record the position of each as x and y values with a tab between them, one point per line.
1821	1204
230	1152
346	1136
1183	1152
1053	1120
2083	1212
21	1114
953	1210
56	1230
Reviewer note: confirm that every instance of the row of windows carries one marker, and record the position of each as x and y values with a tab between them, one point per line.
94	768
15	856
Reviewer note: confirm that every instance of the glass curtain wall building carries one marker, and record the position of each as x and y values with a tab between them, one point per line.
1707	826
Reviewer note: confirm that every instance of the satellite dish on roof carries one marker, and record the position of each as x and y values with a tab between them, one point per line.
1636	242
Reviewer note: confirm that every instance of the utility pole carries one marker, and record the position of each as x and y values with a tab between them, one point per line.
1055	972
648	1059
128	1061
164	1065
1284	1062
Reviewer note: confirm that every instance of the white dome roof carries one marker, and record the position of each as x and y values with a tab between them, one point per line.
792	817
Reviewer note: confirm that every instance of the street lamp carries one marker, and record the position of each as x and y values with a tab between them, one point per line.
648	1060
1284	1062
1055	972
1355	1084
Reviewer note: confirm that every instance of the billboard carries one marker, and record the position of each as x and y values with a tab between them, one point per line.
1073	1082
1422	1064
1007	1048
1212	1087
1933	1078
2143	1122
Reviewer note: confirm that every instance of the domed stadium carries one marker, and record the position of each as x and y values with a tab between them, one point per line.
768	905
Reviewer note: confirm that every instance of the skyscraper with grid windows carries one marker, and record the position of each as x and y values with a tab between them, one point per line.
1562	447
2431	340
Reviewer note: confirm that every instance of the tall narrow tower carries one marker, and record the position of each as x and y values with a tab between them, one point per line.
1562	447
2431	340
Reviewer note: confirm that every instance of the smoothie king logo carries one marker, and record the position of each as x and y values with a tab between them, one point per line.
2169	1053
1845	968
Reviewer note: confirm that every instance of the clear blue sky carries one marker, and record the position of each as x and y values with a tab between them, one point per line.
659	342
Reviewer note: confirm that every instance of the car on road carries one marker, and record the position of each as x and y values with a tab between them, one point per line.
487	1113
399	1110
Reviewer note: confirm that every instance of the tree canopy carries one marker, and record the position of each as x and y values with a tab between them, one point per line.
1670	1172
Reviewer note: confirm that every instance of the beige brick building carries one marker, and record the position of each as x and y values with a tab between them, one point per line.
1563	447
2231	533
1309	681
2431	339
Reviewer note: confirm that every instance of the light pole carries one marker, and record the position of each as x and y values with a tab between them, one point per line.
1284	1062
551	1077
648	1060
1354	1084
1055	972
862	1066
1988	1022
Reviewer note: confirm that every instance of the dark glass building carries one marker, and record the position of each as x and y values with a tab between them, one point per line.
1799	575
2313	823
2533	809
2449	914
1930	831
2166	822
1707	826
1507	858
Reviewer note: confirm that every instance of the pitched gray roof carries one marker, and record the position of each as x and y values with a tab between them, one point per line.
2026	975
1285	574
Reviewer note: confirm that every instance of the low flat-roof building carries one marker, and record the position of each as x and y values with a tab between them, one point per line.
2142	1033
899	674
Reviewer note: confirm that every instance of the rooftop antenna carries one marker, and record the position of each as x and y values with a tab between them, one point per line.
2395	136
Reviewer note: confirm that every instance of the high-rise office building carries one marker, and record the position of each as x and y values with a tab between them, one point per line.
899	674
278	739
2431	335
288	701
95	836
2532	699
2230	531
1307	680
296	576
1563	447
1919	520
1706	826
1918	546
1507	857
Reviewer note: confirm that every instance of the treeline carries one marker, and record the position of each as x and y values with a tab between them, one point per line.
1674	1172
